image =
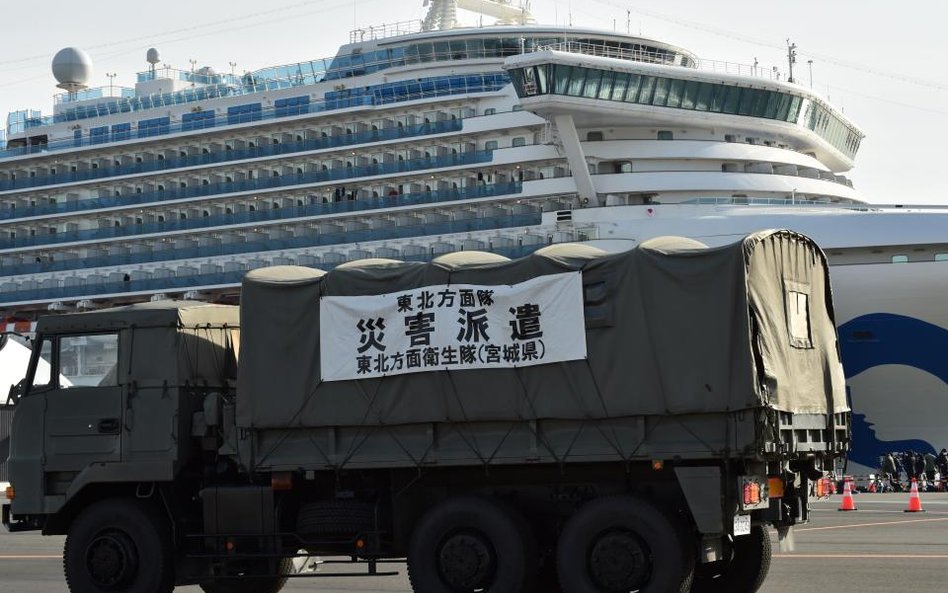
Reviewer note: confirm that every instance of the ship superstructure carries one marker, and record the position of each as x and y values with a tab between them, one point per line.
418	139
406	144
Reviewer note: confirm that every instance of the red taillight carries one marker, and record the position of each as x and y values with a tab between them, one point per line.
281	481
751	492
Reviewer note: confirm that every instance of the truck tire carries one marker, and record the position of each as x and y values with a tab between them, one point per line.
744	572
472	543
253	585
119	545
623	543
335	517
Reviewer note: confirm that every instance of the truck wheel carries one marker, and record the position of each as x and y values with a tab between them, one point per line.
255	584
618	544
744	572
118	545
472	543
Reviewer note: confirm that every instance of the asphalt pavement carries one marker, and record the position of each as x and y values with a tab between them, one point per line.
878	548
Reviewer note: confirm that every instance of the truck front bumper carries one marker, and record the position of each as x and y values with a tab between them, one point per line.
14	525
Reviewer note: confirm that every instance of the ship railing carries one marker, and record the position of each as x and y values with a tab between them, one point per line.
343	205
213	280
214	157
788	201
663	58
102	92
203	77
381	94
269	183
385	31
618	53
313	239
268	79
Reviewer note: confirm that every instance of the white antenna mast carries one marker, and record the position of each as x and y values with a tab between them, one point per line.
442	14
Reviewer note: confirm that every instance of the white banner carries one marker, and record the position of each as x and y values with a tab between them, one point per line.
453	326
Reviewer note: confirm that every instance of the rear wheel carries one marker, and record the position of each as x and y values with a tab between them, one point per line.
744	572
472	543
118	546
621	544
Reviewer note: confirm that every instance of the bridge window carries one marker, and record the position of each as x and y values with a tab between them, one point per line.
900	259
941	257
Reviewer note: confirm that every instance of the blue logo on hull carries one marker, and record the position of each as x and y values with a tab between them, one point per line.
883	338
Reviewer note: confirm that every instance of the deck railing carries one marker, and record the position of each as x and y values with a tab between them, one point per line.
260	246
664	58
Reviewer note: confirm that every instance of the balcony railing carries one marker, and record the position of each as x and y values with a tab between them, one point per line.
266	215
268	183
179	283
226	156
264	245
375	95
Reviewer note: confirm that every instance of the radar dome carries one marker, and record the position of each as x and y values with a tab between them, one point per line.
72	68
152	57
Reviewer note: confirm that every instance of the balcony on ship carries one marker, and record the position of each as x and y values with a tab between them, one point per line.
30	124
295	234
513	234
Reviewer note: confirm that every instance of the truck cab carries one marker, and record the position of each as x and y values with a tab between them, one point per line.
112	405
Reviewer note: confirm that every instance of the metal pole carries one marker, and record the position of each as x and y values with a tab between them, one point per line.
791	57
810	64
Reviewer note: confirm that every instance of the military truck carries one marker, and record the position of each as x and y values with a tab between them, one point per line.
571	420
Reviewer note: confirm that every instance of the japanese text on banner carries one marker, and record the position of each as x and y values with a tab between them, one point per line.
456	327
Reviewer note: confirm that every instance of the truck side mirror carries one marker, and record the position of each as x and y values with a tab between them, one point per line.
16	392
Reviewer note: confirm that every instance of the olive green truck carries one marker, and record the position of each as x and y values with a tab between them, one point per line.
569	421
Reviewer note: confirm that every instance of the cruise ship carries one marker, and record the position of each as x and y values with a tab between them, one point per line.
418	139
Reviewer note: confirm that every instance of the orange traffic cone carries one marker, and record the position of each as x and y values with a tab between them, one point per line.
848	503
915	503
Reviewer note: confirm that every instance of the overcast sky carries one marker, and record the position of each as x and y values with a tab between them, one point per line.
883	63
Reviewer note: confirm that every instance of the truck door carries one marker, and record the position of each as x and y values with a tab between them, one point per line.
84	404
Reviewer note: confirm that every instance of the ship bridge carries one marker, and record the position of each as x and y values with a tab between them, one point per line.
576	83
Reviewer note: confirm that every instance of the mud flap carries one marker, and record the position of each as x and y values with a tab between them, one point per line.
702	489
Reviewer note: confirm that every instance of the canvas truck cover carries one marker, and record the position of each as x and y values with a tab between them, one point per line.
668	328
168	343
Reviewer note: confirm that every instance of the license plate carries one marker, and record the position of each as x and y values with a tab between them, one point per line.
742	525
